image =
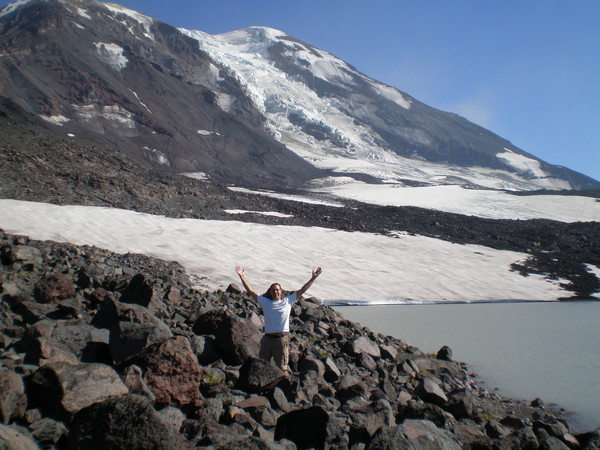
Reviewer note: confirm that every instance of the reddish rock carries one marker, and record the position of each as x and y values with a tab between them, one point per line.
172	372
11	395
54	286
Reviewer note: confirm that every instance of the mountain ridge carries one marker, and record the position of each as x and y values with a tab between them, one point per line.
173	99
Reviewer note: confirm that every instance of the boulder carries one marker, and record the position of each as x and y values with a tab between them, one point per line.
128	421
279	400
140	291
426	411
431	392
236	338
349	387
258	375
134	380
129	338
44	351
388	352
48	431
310	428
417	434
461	404
205	348
112	311
364	345
309	363
332	373
91	276
12	439
61	389
365	422
172	372
23	254
12	395
444	353
54	286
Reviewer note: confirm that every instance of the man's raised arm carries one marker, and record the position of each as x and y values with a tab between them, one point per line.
303	289
242	276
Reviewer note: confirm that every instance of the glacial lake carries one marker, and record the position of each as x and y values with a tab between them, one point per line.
522	350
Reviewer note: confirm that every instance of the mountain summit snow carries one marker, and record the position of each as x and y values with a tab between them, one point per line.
254	107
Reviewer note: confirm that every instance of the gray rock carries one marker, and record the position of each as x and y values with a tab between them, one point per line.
257	375
279	400
134	380
205	348
48	431
431	392
332	373
309	363
364	345
23	254
62	389
444	353
12	439
172	416
236	338
129	338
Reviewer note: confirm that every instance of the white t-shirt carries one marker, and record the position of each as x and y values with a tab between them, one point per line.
277	313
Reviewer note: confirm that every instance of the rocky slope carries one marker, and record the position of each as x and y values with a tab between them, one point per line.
101	350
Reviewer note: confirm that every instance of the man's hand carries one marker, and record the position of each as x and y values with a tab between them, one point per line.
249	290
239	271
316	272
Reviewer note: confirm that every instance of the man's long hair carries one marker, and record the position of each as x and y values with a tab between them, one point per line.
268	293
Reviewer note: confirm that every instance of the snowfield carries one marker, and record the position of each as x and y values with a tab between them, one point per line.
473	202
356	266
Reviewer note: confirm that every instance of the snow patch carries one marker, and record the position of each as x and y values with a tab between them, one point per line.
142	19
83	13
112	54
197	175
476	202
392	94
208	133
59	120
157	156
114	113
295	198
141	102
11	7
263	213
522	163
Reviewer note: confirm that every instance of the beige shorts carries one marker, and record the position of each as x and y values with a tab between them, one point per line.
277	348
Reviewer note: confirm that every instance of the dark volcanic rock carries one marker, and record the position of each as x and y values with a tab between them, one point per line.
311	427
257	375
128	421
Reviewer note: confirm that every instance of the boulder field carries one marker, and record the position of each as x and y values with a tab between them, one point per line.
105	350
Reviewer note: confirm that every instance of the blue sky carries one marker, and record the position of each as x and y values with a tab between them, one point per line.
528	70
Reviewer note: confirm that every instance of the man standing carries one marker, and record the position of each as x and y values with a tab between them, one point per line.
276	310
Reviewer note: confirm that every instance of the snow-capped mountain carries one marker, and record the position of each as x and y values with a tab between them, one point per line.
255	107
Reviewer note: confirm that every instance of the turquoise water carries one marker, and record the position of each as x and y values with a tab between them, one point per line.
525	350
